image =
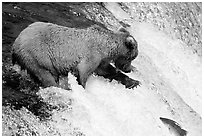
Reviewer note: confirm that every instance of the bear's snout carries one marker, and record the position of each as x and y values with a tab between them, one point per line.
127	68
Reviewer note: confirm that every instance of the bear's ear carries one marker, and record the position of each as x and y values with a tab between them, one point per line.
130	42
123	30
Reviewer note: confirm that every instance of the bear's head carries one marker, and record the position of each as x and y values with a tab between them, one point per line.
130	52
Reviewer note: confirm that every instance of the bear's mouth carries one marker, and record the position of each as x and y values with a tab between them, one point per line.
126	68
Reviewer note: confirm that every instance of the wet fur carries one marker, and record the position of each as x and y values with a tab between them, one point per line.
48	51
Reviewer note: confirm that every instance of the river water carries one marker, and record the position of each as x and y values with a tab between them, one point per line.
169	67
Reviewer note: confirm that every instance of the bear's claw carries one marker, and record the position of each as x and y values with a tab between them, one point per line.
132	83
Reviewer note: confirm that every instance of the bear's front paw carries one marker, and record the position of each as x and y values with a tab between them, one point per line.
132	83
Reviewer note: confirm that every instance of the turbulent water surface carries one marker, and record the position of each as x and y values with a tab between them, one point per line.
169	67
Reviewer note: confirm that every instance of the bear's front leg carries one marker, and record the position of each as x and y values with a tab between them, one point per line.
86	67
108	71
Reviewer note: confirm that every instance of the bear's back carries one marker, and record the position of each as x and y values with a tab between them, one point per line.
66	44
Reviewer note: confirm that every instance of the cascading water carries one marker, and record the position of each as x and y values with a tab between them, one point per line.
169	70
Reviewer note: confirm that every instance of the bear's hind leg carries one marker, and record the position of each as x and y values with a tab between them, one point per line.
63	83
44	76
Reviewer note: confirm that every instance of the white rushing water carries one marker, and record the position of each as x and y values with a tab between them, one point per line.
171	88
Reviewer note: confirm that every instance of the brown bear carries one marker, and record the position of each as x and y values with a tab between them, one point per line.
49	51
